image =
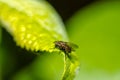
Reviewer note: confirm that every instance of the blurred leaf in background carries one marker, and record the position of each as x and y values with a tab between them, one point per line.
0	34
96	28
46	67
7	60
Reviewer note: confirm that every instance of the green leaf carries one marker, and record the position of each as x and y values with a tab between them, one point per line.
71	66
34	25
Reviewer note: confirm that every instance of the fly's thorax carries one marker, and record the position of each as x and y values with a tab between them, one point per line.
61	45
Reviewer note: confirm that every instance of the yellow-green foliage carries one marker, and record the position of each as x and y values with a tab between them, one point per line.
34	25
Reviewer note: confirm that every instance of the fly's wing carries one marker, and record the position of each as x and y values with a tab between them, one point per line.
72	45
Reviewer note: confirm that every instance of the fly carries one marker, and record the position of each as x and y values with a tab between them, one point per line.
66	47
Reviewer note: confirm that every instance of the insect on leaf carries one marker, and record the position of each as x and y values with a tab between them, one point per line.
35	26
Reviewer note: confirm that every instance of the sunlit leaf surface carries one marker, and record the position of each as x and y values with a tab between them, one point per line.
34	25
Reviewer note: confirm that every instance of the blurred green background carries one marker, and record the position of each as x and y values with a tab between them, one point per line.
93	25
96	28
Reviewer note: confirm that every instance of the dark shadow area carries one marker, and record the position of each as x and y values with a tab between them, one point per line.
20	57
66	8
